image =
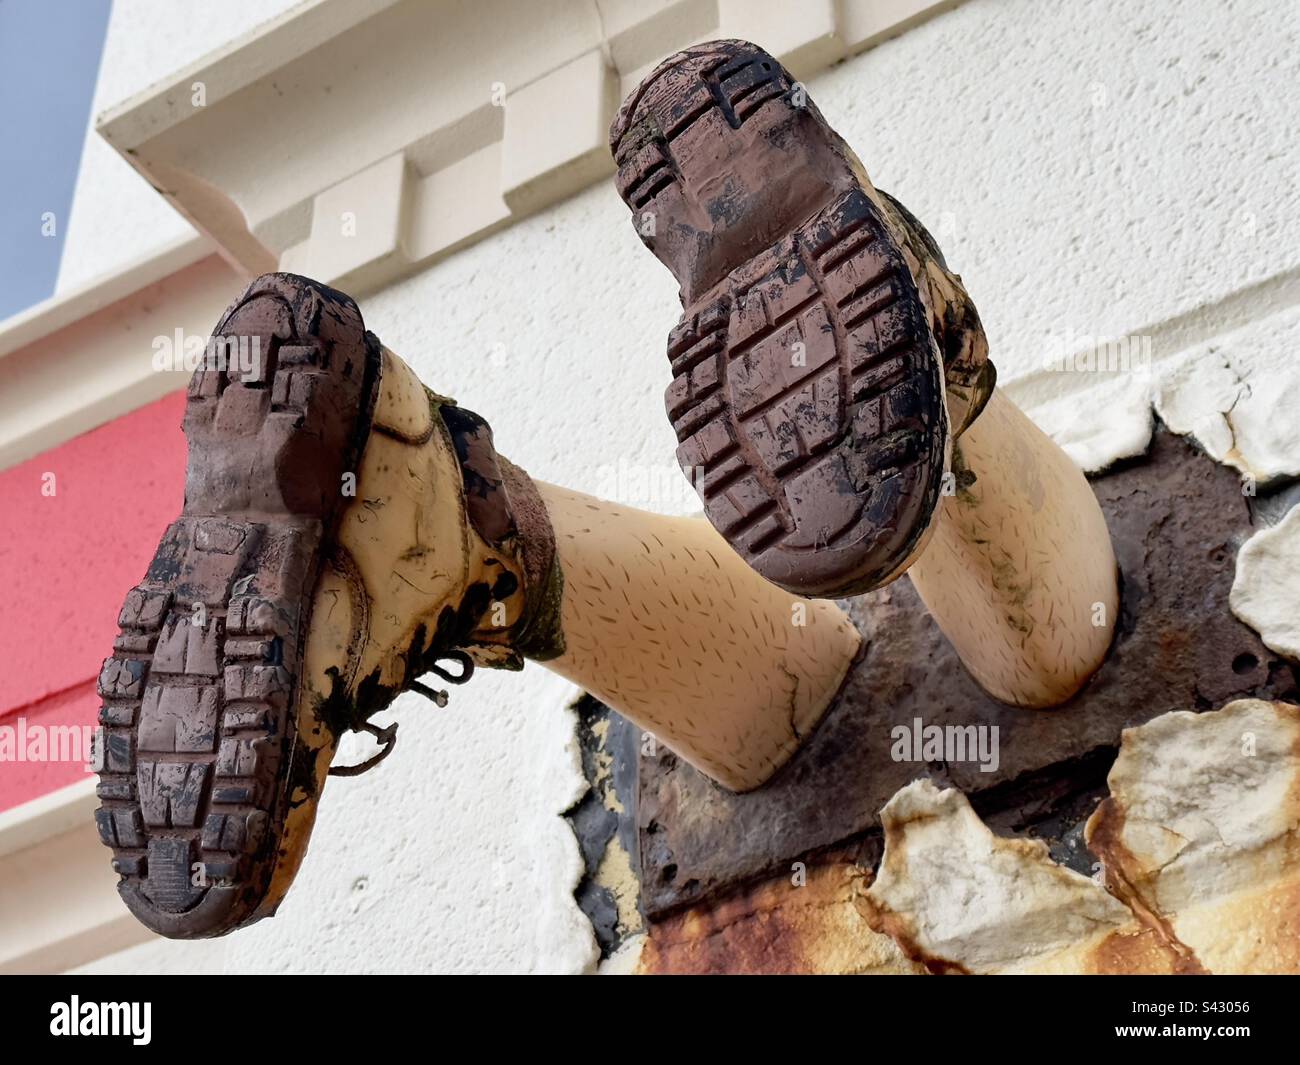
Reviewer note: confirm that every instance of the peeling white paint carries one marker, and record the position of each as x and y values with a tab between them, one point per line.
1266	589
991	904
1097	423
1197	839
1239	396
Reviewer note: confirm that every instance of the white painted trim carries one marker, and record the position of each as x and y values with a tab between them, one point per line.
28	823
65	890
55	873
53	314
79	361
238	63
357	140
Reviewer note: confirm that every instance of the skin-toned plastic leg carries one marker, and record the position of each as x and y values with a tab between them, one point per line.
663	621
1019	572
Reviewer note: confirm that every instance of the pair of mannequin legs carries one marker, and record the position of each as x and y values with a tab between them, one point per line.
665	622
346	532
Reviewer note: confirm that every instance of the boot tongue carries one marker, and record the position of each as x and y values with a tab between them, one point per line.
502	503
486	502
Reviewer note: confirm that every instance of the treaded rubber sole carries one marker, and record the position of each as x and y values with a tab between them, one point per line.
202	754
807	393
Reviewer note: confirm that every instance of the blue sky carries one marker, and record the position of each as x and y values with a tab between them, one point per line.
49	59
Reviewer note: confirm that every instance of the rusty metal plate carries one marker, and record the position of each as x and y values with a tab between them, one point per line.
1177	518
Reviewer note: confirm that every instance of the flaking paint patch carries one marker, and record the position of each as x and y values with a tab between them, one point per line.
1233	393
604	767
1266	589
1105	841
1199	845
958	899
609	892
1237	395
1202	833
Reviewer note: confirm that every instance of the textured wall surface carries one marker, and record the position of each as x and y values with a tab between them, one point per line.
1092	170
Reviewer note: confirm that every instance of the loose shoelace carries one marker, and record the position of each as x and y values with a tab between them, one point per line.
388	734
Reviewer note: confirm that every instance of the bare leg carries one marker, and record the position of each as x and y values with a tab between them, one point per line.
664	621
1019	572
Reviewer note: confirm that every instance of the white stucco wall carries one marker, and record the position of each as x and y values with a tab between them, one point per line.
1090	169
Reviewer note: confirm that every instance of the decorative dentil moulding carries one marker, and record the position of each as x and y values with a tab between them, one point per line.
355	140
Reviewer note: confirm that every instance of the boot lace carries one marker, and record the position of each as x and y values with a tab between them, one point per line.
387	736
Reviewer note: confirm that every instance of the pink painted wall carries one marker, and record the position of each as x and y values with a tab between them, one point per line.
67	561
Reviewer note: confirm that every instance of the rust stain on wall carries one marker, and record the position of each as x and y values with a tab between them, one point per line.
806	922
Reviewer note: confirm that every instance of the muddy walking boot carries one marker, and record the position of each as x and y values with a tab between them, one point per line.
827	356
307	581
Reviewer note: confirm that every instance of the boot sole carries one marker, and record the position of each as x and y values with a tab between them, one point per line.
203	746
807	393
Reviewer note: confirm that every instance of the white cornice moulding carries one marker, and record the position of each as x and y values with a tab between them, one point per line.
356	140
50	315
84	358
58	884
52	814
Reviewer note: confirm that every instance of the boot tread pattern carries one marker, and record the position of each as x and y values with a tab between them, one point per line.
735	87
813	372
197	736
807	391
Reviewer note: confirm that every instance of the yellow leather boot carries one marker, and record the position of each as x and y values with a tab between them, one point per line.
344	532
